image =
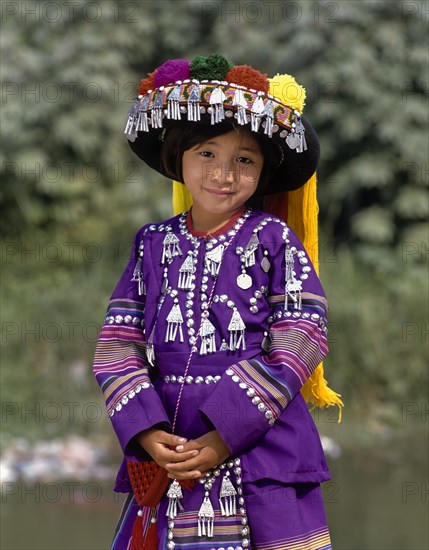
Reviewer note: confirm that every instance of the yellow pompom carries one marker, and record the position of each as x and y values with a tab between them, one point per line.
285	88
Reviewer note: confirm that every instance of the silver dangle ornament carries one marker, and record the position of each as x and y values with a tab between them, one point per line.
217	98
206	517
240	102
208	344
156	114
142	123
194	104
266	342
224	346
164	285
244	280
227	497
213	260
265	263
236	330
150	349
293	140
185	273
174	323
293	286
300	131
130	128
249	251
138	273
174	495
173	106
170	248
269	118
256	113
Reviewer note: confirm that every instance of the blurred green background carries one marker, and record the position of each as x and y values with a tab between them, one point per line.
72	197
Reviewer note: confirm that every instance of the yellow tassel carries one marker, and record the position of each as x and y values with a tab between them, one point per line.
302	210
182	199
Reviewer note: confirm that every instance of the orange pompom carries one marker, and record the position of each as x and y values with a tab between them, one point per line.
244	75
147	84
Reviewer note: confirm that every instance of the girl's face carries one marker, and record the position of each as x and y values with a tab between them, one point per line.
222	173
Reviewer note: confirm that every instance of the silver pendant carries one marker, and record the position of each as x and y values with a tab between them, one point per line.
244	281
174	495
293	141
265	264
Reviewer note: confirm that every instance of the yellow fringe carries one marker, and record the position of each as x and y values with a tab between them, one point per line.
302	211
182	199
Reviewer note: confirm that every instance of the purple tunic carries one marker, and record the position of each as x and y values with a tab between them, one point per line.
251	305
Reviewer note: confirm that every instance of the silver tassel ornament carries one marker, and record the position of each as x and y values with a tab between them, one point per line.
174	495
236	329
269	118
227	497
213	260
170	248
293	286
206	518
142	123
173	106
256	114
240	102
249	251
185	273
156	114
130	127
174	323
139	278
194	104
208	344
217	98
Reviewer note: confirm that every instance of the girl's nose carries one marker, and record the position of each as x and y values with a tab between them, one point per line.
228	172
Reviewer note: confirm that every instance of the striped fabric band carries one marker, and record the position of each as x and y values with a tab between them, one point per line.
318	539
297	347
120	364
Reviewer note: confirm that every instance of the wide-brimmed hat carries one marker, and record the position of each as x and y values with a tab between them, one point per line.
211	90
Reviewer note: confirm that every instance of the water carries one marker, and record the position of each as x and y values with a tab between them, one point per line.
374	503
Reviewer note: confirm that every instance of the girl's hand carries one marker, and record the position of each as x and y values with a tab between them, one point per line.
157	443
212	451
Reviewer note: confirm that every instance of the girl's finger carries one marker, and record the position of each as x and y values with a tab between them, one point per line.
167	455
189	446
193	474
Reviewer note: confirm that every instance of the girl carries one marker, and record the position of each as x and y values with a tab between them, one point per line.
217	326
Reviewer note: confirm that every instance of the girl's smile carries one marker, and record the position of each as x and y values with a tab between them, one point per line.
221	174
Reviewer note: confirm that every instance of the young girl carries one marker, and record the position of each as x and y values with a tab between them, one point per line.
219	320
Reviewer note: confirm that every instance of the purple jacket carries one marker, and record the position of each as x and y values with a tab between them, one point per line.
251	305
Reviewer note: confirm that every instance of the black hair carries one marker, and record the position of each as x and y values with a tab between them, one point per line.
182	137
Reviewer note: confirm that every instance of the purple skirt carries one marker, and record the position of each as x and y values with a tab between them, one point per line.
269	516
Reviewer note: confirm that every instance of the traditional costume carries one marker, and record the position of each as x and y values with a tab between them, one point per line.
224	331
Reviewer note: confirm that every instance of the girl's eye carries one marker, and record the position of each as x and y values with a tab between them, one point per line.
206	154
244	160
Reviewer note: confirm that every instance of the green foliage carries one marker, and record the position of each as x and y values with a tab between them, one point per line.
69	178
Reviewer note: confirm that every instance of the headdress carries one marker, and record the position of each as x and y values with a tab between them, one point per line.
210	90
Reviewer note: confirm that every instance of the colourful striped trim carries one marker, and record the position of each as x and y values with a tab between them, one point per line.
318	539
297	348
120	364
227	531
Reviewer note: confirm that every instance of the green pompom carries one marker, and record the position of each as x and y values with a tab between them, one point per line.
213	67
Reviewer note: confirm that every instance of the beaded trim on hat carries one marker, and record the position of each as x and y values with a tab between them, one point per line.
189	99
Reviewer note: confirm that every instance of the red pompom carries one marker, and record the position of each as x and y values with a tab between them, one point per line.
244	75
147	83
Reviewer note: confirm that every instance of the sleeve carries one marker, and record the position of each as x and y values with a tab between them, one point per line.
120	365
252	393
